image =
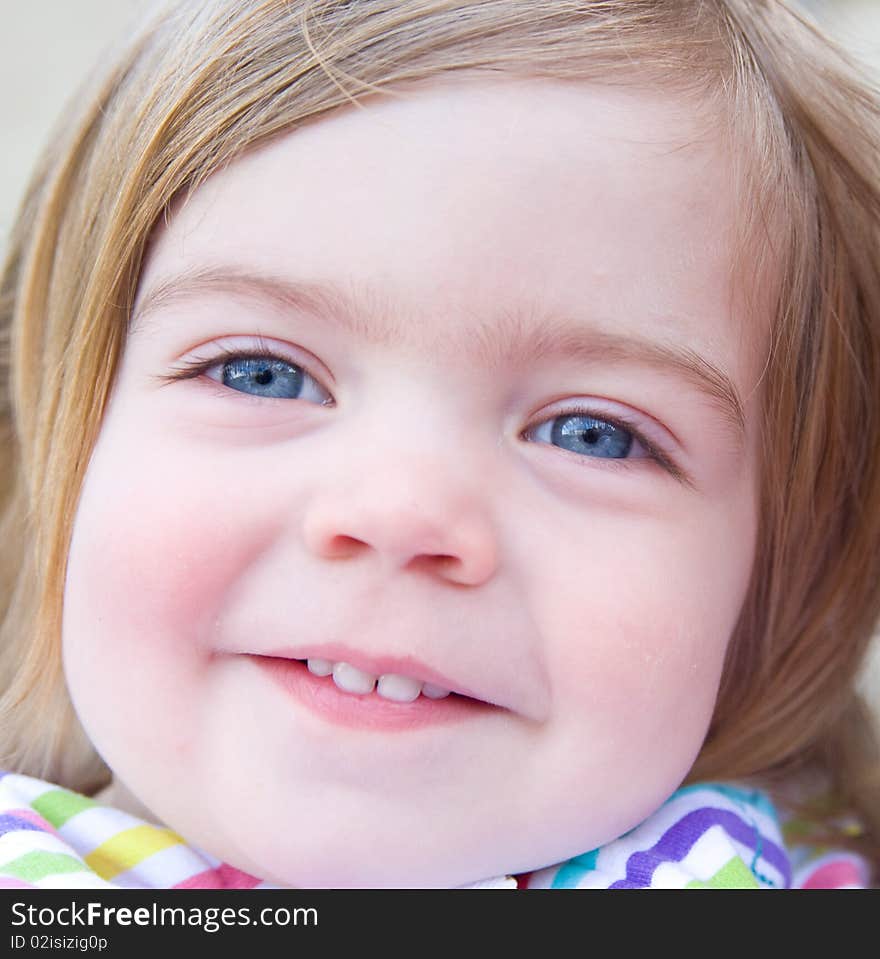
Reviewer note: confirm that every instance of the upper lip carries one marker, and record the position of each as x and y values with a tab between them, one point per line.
380	665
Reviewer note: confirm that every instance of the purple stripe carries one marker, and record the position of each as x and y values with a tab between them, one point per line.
10	823
678	840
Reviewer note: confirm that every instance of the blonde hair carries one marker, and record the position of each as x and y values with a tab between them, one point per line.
201	83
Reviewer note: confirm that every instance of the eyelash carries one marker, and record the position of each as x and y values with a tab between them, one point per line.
655	453
192	369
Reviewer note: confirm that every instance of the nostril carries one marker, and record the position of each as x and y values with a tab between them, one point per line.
340	547
444	563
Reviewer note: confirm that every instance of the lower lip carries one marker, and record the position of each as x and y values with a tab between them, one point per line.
323	697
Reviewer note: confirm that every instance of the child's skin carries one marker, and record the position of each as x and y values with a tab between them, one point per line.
424	512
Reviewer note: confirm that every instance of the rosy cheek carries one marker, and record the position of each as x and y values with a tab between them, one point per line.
148	567
145	573
156	546
639	651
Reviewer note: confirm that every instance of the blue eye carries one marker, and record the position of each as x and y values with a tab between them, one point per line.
256	373
592	436
263	376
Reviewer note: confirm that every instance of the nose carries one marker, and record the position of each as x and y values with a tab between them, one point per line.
414	516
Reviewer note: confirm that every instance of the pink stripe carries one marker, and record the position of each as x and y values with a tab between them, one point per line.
34	818
7	883
223	877
834	875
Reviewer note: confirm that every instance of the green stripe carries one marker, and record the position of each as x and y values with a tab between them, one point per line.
733	875
57	806
33	866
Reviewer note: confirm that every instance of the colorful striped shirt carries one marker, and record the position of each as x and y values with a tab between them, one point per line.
705	836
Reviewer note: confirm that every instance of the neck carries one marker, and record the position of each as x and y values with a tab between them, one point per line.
119	796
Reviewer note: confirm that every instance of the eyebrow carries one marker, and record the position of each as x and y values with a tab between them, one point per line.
507	340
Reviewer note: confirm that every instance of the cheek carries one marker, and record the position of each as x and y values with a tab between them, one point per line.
629	691
143	557
153	552
641	626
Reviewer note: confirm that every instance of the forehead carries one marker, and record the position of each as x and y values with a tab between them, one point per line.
467	201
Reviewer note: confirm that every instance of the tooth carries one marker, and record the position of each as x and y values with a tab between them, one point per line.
434	692
401	689
320	667
353	680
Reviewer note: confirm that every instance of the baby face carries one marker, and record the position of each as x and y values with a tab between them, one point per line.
451	390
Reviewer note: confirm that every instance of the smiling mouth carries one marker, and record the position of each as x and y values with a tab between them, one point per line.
358	682
347	696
